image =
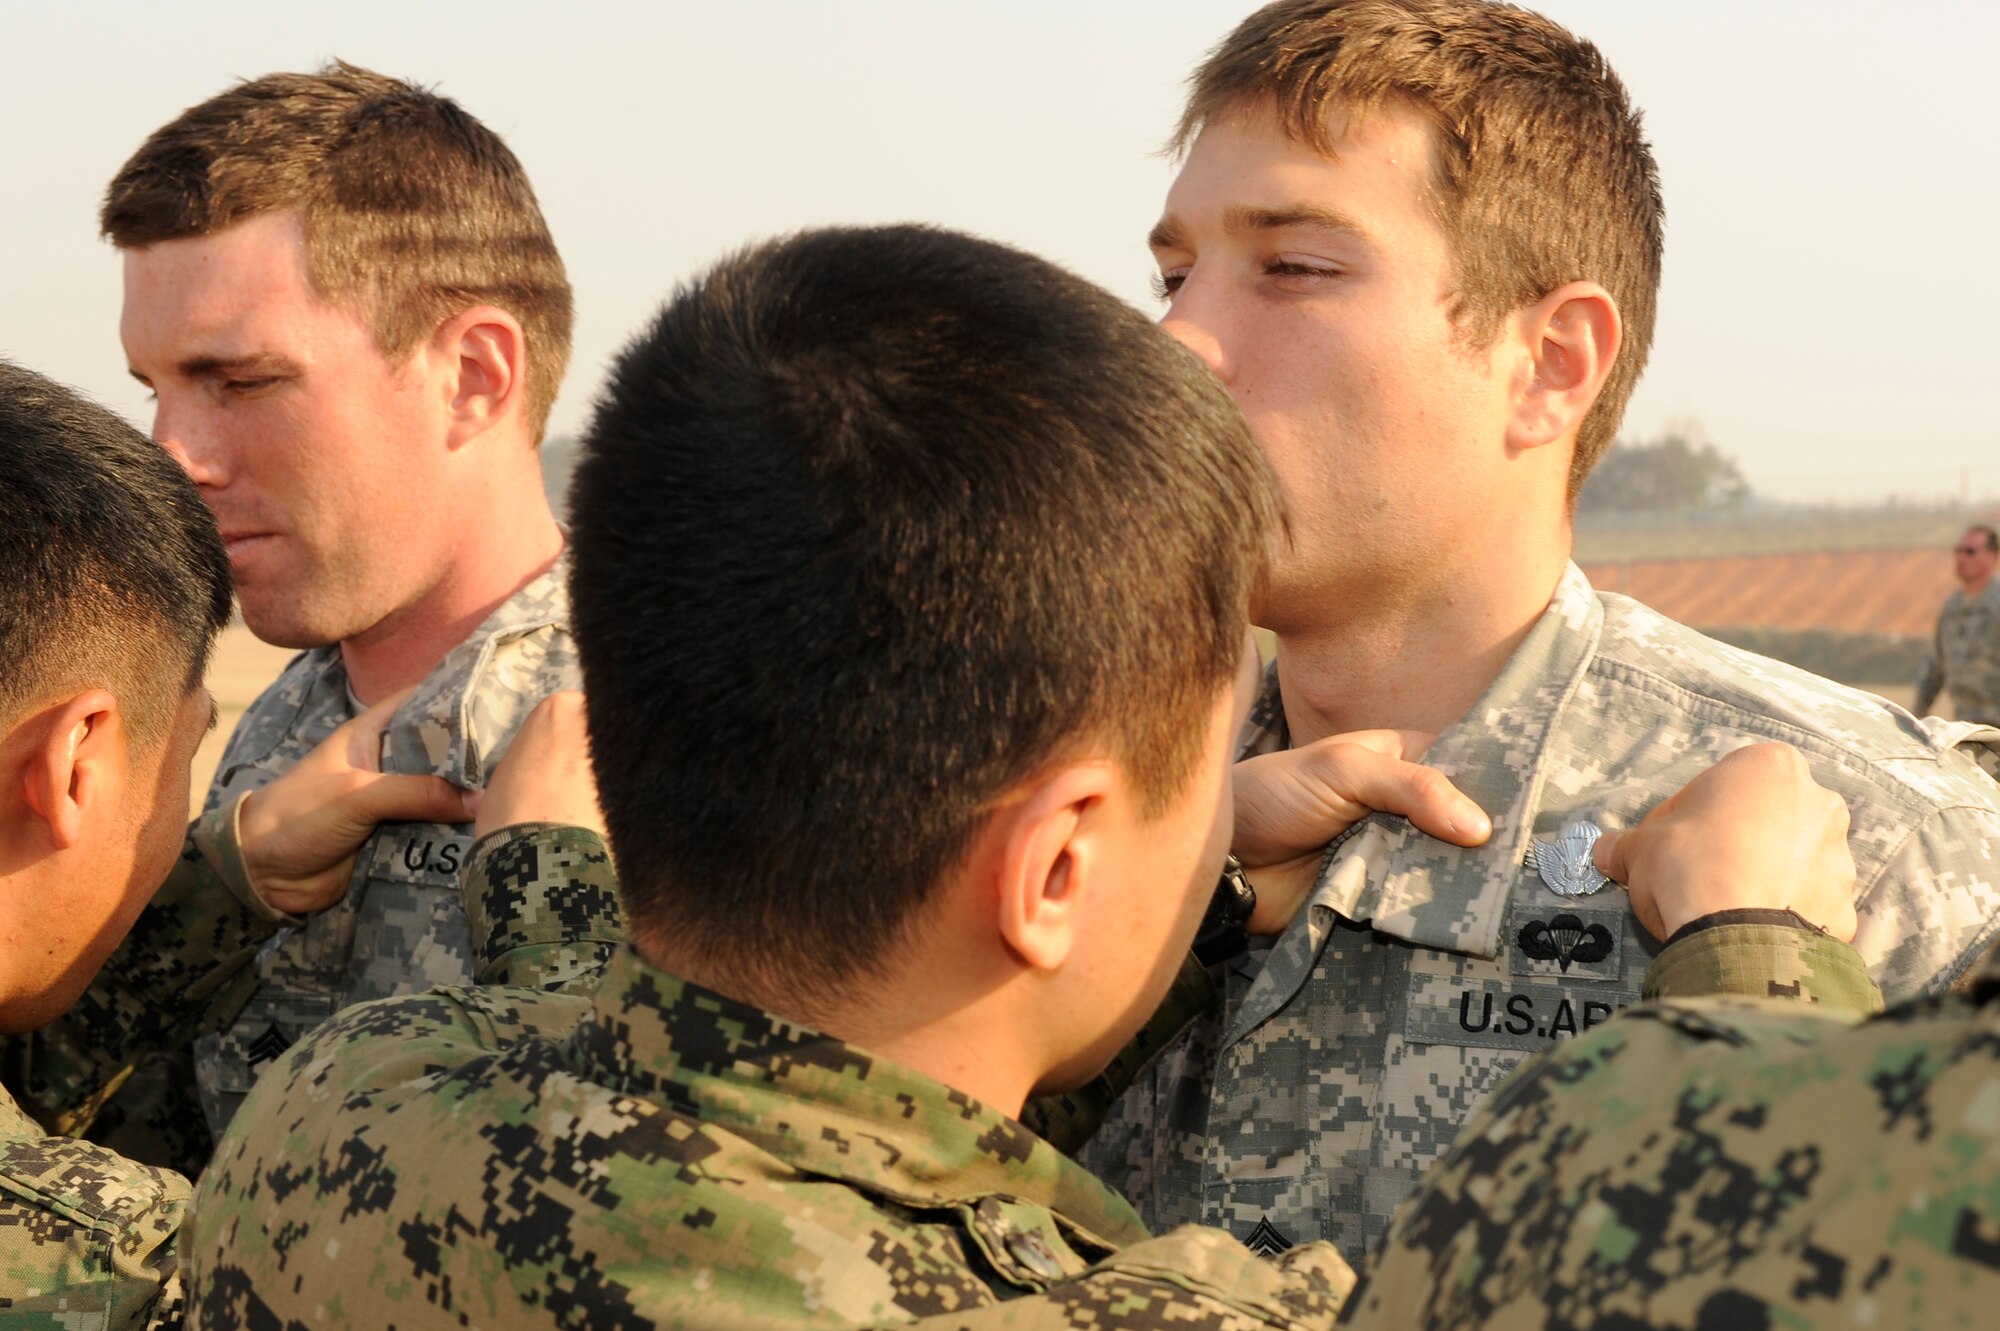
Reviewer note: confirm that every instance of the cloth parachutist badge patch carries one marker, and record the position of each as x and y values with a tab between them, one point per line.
1565	863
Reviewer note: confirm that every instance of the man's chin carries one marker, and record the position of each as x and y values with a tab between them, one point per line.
281	625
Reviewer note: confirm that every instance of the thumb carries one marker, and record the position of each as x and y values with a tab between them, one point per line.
402	798
1609	855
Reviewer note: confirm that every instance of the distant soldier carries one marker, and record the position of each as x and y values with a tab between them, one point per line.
341	291
113	584
911	581
1965	652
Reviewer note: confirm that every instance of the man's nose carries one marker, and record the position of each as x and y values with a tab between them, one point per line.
1195	323
175	431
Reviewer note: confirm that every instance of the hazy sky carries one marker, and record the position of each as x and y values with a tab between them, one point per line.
1829	312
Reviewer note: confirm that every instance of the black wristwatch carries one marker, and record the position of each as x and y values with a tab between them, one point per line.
1224	932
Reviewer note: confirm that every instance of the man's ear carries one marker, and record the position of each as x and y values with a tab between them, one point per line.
73	763
1572	336
1050	856
485	352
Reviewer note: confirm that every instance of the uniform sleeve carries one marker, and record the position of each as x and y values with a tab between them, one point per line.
1190	1277
184	969
1619	1175
1764	961
1068	1120
87	1238
1933	911
543	903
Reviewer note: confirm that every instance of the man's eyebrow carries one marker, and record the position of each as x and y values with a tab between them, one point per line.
1307	216
257	364
1167	233
214	714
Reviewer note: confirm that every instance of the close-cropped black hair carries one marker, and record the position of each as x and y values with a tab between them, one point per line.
112	573
870	526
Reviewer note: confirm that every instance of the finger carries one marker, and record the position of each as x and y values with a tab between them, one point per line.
399	798
1609	855
1424	795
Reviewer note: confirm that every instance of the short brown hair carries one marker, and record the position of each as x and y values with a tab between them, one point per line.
1540	174
872	526
412	209
112	573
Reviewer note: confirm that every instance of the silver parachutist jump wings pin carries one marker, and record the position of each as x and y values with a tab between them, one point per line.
1565	864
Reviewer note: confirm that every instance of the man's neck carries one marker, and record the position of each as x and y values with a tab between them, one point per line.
1412	665
1976	587
950	1033
496	560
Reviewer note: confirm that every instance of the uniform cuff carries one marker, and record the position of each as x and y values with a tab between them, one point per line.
1764	961
539	884
218	835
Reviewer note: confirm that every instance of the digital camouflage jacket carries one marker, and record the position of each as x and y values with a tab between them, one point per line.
661	1154
1965	656
1709	1164
87	1236
1340	1063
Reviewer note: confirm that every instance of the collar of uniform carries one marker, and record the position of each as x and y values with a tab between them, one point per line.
1409	885
430	731
826	1107
1415	887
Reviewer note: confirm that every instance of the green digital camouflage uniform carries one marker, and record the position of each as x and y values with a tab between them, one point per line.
1734	1166
1965	656
1341	1062
659	1153
86	1235
399	929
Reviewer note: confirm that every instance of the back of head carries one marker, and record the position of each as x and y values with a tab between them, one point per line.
412	210
111	571
871	526
1541	173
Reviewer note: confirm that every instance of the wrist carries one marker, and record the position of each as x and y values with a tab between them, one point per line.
1783	918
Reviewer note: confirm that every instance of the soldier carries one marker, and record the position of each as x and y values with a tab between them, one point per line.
917	809
1965	652
113	583
342	294
1420	241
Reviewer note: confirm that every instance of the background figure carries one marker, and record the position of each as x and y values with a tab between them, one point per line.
1965	653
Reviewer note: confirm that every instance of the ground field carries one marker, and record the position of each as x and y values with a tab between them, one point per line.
1879	592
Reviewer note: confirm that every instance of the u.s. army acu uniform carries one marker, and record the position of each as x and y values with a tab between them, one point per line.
87	1235
1713	1165
1965	656
400	927
1341	1063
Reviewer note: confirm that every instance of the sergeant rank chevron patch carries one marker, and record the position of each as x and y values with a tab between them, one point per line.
1265	1240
